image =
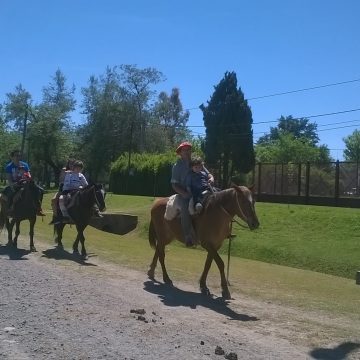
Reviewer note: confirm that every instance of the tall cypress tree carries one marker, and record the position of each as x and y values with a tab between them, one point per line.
229	136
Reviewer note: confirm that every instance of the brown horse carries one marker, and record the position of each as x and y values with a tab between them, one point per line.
212	227
25	208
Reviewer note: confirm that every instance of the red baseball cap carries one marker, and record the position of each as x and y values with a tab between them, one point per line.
183	145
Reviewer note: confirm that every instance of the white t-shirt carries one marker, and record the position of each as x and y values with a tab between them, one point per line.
74	180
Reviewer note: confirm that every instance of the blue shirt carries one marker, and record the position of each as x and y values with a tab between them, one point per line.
14	170
180	172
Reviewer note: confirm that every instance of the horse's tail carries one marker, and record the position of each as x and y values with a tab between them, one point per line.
152	235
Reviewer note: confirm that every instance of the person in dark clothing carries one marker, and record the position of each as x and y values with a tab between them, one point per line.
199	181
18	171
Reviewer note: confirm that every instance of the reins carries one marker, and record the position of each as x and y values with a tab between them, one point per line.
232	217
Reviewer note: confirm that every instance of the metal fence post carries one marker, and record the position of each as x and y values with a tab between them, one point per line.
259	179
337	177
307	182
299	179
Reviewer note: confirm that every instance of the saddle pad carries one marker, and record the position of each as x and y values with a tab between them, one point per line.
172	207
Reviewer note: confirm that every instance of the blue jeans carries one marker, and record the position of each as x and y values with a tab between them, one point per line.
186	223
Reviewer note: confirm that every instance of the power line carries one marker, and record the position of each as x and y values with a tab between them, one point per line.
304	89
289	92
297	118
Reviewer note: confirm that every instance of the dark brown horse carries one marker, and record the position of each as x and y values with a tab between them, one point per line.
211	227
24	208
81	210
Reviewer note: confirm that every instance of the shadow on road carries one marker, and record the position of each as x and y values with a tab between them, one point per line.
340	352
172	296
13	253
61	254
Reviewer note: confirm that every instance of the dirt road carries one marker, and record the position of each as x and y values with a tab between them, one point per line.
54	307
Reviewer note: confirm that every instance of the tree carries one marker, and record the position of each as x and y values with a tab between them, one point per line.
352	143
229	135
300	128
138	83
287	149
50	131
17	111
109	130
168	110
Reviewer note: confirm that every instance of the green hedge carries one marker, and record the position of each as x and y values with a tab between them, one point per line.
149	174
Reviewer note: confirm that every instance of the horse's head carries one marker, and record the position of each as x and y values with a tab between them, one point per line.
245	205
100	196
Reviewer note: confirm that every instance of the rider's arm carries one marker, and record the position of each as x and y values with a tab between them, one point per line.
9	179
210	176
83	180
180	190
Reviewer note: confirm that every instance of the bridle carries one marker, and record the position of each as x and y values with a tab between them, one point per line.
242	215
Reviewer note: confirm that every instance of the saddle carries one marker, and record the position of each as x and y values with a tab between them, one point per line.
173	206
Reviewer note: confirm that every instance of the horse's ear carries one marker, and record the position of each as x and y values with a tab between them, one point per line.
252	188
233	185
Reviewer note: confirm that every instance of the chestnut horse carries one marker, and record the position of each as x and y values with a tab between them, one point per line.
212	227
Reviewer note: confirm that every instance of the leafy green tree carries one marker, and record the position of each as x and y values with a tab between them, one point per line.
138	83
300	128
287	148
168	110
229	136
109	129
352	143
17	107
51	134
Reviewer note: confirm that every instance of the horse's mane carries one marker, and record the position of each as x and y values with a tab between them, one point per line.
218	197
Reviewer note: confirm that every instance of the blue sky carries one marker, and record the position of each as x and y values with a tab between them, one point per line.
273	46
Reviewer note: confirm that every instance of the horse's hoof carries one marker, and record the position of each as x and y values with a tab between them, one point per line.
33	249
76	253
205	291
226	295
168	282
151	275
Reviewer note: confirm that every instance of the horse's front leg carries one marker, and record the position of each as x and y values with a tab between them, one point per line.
203	287
31	234
9	227
80	237
17	233
58	230
224	284
220	264
151	272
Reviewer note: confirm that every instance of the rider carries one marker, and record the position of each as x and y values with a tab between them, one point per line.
180	172
198	182
73	181
18	171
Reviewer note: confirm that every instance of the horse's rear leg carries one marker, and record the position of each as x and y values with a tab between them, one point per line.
31	234
161	253
203	287
151	272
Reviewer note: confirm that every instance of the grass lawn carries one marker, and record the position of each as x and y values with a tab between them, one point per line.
322	239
